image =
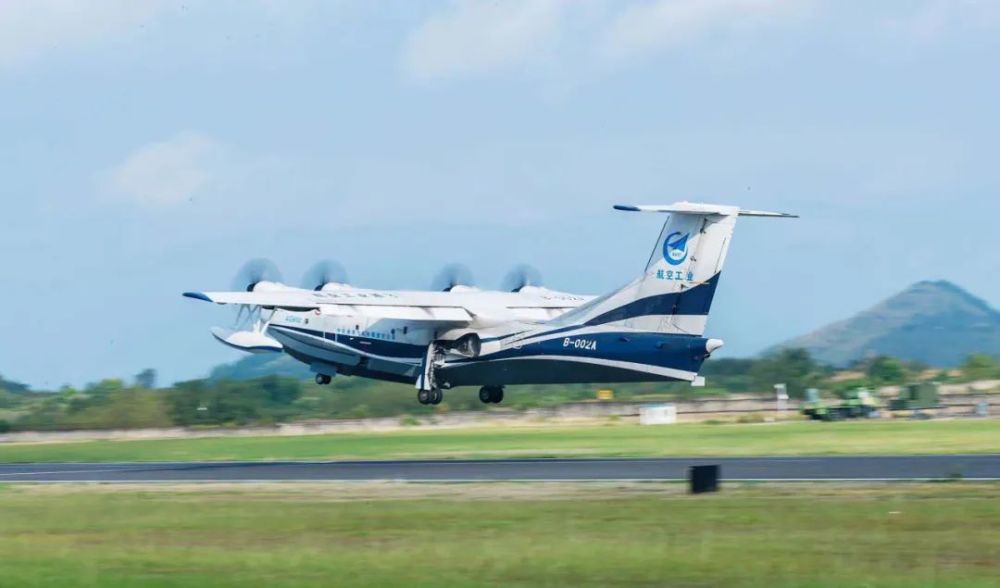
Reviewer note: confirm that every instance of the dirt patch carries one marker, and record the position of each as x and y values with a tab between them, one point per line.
399	490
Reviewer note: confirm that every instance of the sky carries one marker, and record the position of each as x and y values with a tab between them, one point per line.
149	148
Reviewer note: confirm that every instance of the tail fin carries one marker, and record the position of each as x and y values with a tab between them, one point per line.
675	292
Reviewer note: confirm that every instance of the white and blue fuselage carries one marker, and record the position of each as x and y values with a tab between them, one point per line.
651	329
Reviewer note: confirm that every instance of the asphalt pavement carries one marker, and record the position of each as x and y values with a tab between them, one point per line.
806	468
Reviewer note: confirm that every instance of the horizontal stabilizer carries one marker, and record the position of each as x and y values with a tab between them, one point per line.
765	213
697	208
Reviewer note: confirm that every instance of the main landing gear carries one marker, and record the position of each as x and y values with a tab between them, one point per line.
428	391
491	394
323	379
434	396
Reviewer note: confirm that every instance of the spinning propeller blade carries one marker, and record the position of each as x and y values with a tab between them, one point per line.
254	272
323	273
451	275
521	276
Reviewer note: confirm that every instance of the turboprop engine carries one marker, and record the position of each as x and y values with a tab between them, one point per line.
256	275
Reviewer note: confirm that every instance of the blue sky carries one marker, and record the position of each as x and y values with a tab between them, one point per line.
150	148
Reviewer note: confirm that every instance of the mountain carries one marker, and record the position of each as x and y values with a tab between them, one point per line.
257	365
12	386
937	323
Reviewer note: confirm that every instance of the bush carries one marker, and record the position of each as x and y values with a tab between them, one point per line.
793	367
265	400
409	421
358	412
885	370
980	366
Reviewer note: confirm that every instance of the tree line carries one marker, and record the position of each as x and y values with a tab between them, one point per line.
113	403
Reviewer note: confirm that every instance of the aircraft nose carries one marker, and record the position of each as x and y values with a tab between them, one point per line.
712	344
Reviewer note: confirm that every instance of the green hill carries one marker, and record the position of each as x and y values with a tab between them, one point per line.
257	365
937	323
12	386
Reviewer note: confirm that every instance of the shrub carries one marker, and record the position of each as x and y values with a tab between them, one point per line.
409	421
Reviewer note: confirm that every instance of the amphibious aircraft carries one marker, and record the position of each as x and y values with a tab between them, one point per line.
651	329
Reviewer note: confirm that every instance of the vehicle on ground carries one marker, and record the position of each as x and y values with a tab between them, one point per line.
917	398
856	404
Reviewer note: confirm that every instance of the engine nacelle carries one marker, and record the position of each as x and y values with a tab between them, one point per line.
537	290
265	286
333	287
462	288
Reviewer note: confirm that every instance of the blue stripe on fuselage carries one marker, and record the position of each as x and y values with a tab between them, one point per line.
682	352
696	301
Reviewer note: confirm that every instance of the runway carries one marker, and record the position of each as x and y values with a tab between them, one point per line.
819	468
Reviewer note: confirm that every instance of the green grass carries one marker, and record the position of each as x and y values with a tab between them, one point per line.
507	535
795	438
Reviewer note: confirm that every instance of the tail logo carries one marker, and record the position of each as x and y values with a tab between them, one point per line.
675	248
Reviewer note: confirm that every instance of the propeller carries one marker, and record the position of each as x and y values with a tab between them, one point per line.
521	276
323	273
254	272
451	275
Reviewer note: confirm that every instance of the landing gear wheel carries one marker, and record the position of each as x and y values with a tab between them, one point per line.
491	394
323	379
436	396
424	396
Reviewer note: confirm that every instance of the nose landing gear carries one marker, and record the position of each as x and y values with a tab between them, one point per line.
491	394
323	379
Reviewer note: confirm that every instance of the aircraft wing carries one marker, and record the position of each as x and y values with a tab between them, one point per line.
277	299
450	307
370	304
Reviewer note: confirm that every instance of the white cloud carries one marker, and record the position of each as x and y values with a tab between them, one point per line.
31	28
474	37
646	27
165	173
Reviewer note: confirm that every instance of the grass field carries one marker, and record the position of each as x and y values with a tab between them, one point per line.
900	535
794	438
